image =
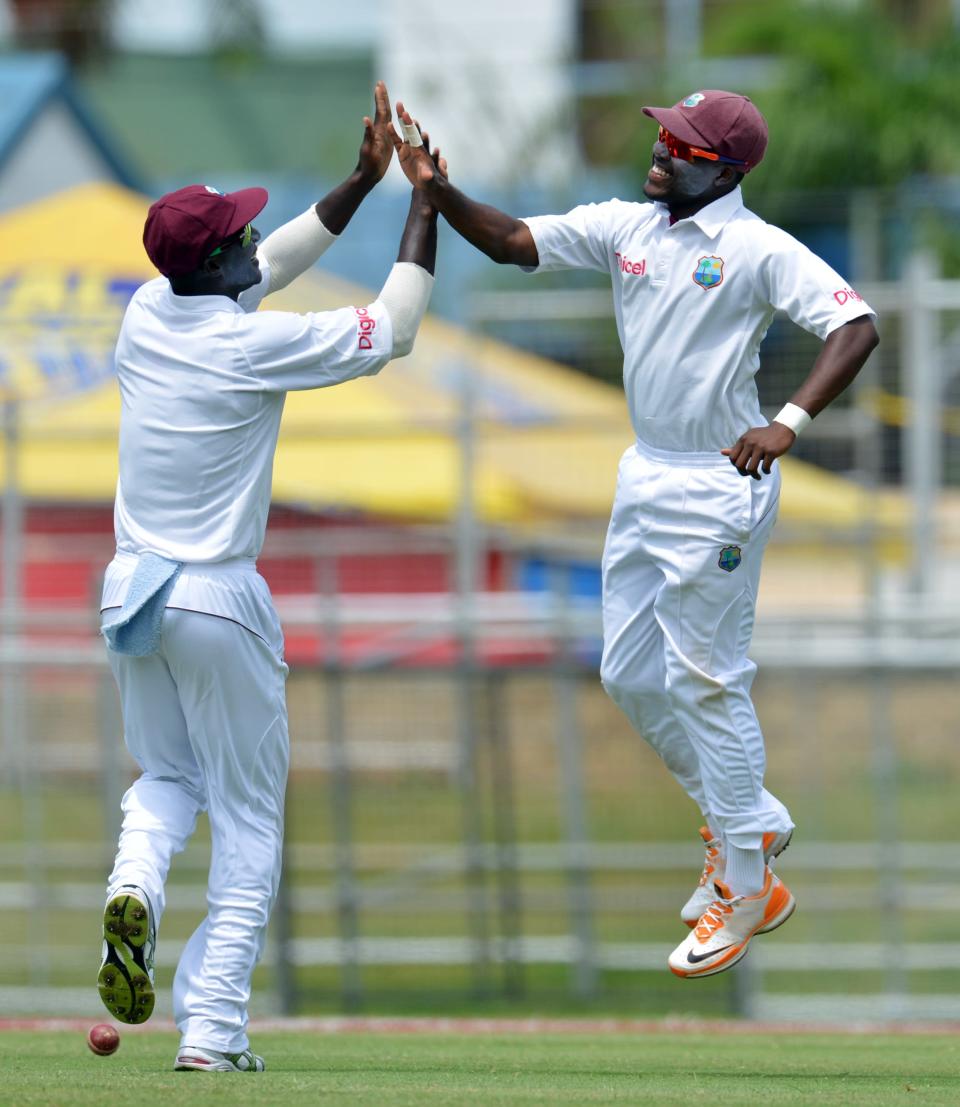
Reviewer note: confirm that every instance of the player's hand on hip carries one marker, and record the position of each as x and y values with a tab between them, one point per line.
755	451
376	150
413	151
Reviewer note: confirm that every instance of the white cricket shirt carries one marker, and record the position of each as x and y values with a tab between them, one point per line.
693	302
202	383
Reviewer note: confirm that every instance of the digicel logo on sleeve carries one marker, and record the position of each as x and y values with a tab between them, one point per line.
366	325
844	294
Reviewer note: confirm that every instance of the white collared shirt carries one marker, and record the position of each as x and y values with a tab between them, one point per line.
693	302
202	383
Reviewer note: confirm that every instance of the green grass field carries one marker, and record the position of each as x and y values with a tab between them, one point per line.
55	1069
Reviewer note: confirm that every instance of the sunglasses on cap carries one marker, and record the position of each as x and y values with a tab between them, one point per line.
244	236
685	152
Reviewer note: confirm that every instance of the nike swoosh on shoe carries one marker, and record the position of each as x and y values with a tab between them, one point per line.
696	958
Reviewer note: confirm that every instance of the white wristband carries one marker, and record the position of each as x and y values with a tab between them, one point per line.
411	133
793	417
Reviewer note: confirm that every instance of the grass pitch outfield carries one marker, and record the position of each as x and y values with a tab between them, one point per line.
390	1064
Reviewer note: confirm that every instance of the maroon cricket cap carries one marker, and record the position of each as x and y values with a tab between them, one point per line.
722	122
184	227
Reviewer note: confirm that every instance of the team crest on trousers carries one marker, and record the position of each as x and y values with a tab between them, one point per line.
730	558
709	272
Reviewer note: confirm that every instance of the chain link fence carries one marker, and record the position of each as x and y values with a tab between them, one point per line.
472	826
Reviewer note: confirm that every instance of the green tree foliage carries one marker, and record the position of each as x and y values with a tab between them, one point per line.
867	96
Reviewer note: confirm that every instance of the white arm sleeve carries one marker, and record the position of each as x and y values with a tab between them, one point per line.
405	296
294	247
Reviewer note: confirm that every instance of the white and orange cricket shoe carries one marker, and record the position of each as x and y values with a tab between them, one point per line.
715	866
722	935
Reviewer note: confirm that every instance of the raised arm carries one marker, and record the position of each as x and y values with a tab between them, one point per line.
293	248
501	237
406	292
841	358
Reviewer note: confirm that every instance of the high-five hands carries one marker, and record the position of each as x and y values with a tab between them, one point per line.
418	163
376	150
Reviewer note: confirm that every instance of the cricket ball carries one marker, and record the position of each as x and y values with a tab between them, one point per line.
103	1039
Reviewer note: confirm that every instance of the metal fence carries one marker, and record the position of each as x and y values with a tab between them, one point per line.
472	823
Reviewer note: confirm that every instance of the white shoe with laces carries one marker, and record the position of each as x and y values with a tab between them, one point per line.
197	1059
722	935
715	868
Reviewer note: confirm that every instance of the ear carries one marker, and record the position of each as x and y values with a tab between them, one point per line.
726	176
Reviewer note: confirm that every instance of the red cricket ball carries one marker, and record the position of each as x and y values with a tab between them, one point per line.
103	1039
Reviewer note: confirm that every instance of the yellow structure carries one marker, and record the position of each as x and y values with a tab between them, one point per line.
547	439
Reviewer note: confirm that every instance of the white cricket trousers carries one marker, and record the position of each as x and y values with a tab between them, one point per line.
681	567
205	719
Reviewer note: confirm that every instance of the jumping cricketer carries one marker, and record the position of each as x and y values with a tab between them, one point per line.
194	640
697	278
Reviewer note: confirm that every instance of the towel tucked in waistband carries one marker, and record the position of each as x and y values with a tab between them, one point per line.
135	630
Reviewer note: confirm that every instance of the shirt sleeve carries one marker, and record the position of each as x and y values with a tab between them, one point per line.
286	352
794	280
578	240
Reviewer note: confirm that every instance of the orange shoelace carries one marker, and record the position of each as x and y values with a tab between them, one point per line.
712	919
708	866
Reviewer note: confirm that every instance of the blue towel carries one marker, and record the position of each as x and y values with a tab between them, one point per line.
136	628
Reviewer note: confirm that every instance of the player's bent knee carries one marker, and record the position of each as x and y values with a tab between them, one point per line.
623	683
698	689
612	685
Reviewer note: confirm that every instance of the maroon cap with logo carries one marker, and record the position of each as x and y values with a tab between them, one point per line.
723	122
184	227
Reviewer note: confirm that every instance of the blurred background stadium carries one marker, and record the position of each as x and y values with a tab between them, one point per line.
472	825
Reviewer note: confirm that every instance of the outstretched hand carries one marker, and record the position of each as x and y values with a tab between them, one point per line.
418	163
439	162
379	137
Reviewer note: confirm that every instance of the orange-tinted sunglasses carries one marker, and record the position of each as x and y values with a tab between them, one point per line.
685	152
